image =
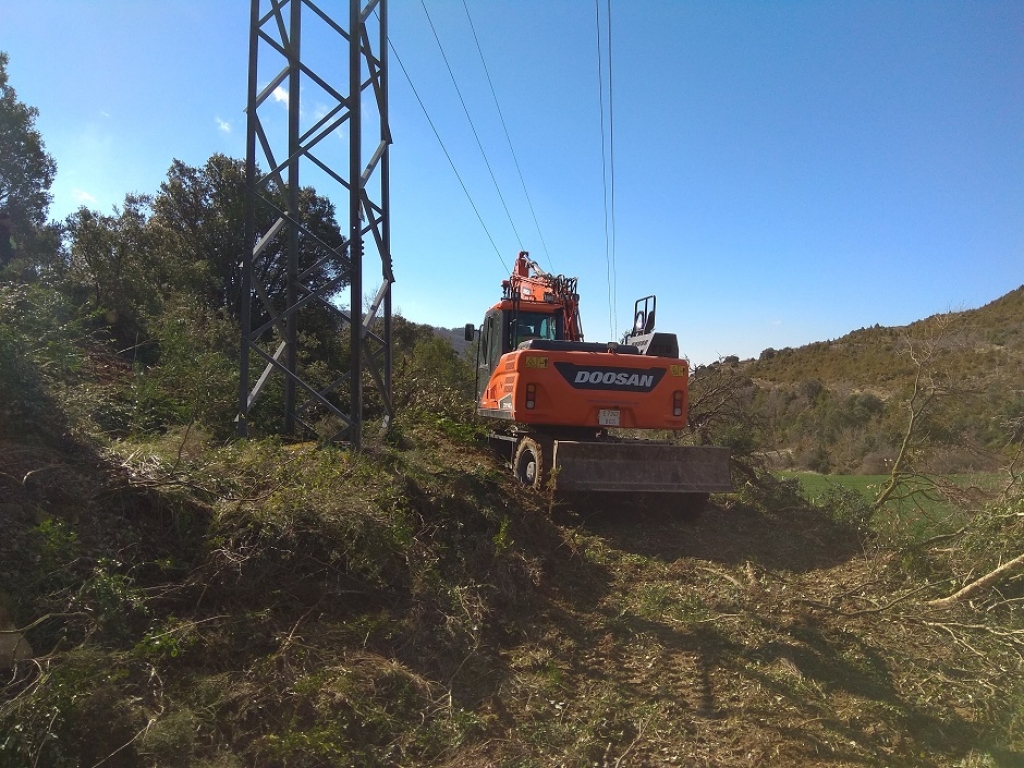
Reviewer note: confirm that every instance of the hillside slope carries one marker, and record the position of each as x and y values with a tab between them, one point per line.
273	604
976	345
845	405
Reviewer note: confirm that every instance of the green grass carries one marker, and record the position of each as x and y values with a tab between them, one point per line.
912	519
814	484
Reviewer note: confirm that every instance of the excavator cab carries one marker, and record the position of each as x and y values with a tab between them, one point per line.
535	325
504	329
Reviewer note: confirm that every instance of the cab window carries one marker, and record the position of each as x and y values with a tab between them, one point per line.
535	325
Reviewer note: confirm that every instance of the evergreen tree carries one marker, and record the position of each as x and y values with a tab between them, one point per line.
26	169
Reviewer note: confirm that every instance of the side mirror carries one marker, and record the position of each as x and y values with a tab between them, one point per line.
470	332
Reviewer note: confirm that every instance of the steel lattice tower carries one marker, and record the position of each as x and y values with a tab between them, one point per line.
341	94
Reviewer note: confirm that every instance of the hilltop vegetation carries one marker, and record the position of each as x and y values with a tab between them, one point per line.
172	596
977	344
841	406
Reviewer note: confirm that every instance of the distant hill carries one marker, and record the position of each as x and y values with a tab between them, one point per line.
977	345
455	336
841	405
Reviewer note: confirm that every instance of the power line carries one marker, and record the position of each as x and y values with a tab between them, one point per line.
611	147
465	109
604	168
504	127
447	154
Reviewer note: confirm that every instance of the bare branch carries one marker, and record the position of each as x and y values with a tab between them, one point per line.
981	584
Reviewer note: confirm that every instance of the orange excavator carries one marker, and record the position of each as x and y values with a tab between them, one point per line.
561	406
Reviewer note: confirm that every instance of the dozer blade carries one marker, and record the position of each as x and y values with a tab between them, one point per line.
640	466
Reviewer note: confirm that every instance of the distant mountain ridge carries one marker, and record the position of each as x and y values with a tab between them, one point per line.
843	405
975	344
455	336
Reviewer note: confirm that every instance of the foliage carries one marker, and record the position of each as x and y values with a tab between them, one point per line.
842	406
160	277
989	539
721	408
40	348
198	368
187	241
120	260
430	376
201	210
288	534
26	169
846	506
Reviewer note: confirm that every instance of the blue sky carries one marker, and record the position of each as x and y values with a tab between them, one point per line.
785	172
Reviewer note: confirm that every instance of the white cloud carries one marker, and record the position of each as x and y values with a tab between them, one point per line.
81	197
224	125
281	95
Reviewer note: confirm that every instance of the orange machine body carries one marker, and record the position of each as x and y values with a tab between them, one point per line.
550	387
556	400
535	369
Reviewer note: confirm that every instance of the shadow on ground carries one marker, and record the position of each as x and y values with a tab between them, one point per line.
798	540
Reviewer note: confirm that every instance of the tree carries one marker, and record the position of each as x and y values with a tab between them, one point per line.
203	208
121	261
188	240
721	408
431	376
26	169
932	355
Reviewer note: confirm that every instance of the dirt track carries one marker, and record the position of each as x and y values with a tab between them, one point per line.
742	640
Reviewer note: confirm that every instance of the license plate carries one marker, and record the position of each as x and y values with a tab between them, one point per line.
608	418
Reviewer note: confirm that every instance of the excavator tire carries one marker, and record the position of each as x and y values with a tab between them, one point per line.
531	464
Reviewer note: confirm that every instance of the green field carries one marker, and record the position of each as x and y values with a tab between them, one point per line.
919	515
814	484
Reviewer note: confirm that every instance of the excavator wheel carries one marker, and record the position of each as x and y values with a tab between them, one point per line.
530	465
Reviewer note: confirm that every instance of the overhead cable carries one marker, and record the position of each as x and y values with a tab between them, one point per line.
472	126
448	155
508	138
604	171
611	161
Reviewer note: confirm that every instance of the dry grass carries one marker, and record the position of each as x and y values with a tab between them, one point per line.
294	605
